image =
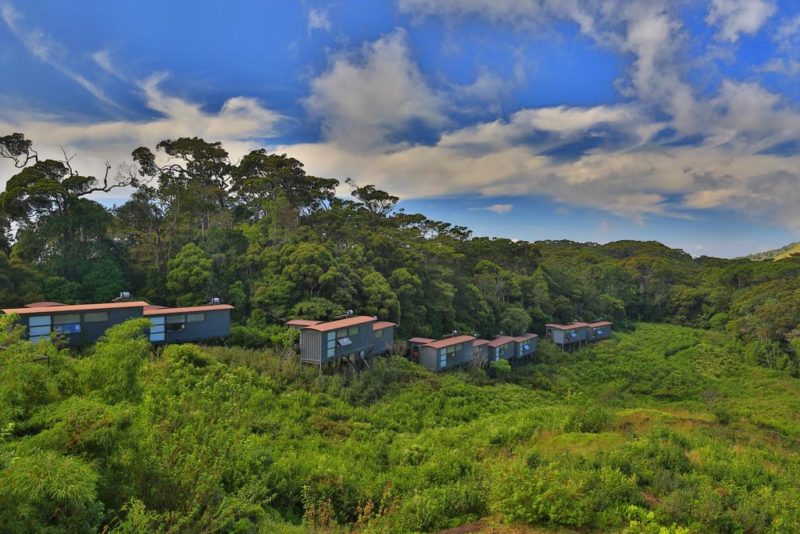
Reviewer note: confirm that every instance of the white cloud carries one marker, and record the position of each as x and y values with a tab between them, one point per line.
103	60
500	209
240	124
47	50
318	19
736	17
365	98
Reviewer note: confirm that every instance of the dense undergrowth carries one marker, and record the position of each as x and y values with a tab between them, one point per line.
661	429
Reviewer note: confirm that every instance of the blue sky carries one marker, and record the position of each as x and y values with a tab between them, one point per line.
531	119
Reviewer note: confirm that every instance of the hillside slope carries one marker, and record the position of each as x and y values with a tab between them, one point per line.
662	425
777	254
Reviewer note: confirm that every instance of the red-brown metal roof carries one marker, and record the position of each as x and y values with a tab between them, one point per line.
525	337
301	322
342	323
448	341
480	342
67	308
45	304
186	309
502	340
566	326
600	323
380	325
420	340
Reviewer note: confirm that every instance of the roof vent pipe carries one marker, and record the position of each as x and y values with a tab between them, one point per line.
215	301
124	295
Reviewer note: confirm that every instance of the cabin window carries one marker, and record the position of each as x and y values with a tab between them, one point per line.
331	344
378	334
69	323
39	327
176	323
195	317
95	317
343	336
157	328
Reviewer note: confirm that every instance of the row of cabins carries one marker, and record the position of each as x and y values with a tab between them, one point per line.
459	351
573	335
348	341
83	324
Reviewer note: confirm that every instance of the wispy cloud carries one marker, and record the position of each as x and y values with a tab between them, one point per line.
241	124
736	17
319	19
47	50
496	208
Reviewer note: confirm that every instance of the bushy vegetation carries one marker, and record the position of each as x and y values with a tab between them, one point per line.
663	429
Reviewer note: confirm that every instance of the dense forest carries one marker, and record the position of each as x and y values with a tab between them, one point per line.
277	243
685	422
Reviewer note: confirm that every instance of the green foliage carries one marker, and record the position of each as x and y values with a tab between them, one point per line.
189	276
662	429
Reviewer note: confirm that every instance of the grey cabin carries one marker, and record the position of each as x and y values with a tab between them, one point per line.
350	339
573	335
447	353
501	348
525	345
192	323
83	324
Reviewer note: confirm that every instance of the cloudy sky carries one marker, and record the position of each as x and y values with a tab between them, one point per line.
591	120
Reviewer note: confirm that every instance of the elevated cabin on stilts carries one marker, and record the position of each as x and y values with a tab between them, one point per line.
571	336
345	342
525	345
501	348
447	353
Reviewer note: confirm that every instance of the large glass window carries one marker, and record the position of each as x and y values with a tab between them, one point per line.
343	336
331	344
69	323
157	328
176	323
453	349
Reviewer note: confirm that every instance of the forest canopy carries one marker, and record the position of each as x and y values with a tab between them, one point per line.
278	243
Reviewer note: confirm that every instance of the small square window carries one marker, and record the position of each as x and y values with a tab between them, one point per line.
378	334
352	331
195	317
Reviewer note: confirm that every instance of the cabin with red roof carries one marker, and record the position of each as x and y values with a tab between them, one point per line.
351	340
447	353
574	334
82	324
525	345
